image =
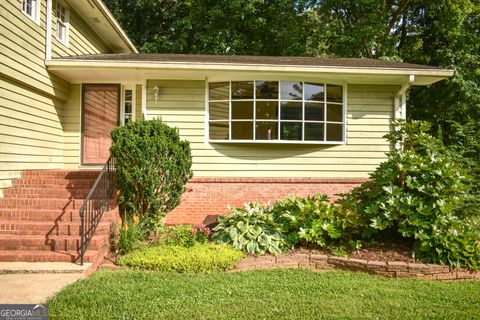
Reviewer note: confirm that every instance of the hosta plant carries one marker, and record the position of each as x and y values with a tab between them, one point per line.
251	229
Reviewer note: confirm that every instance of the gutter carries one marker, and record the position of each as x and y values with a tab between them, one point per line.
71	64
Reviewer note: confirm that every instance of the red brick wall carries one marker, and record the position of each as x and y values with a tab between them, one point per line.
205	198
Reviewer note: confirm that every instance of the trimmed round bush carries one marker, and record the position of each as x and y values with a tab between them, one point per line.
201	258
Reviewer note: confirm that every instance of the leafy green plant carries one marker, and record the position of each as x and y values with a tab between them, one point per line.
152	167
312	219
185	235
418	192
251	229
199	258
130	235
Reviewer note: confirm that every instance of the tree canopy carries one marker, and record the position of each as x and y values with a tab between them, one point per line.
443	33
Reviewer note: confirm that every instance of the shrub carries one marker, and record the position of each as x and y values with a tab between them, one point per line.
419	193
199	258
152	167
185	235
251	229
312	219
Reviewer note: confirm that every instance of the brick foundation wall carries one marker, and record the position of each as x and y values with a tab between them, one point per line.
206	198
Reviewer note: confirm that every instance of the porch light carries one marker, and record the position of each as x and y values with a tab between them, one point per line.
155	92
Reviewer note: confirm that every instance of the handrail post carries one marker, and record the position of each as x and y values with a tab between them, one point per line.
96	204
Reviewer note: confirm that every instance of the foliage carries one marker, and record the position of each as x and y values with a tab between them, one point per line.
263	294
152	167
418	192
198	258
311	219
251	229
214	27
129	237
185	235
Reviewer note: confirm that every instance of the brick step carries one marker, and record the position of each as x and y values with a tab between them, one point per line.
61	193
48	228
50	243
48	183
48	215
61	174
41	203
46	256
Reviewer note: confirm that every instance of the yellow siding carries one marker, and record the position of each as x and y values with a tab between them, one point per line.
138	102
31	134
71	128
369	113
82	40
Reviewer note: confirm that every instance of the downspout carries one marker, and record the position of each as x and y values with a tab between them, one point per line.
48	33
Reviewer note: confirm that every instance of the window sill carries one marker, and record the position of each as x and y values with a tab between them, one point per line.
279	142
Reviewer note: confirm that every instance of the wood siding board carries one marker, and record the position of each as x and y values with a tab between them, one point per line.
369	115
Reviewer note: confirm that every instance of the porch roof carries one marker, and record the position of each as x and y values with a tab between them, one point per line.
136	67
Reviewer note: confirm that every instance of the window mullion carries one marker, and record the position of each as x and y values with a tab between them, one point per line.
230	110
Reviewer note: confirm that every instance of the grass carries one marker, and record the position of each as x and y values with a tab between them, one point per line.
274	294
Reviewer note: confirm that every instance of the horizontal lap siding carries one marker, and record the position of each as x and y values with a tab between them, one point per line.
82	40
71	128
31	134
370	111
23	50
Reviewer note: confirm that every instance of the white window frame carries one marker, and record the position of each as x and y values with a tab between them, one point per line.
34	13
131	87
303	121
59	6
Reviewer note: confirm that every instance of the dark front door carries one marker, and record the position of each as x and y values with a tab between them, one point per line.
99	117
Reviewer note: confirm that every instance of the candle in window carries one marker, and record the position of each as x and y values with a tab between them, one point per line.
269	134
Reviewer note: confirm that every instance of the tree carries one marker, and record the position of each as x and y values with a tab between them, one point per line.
255	27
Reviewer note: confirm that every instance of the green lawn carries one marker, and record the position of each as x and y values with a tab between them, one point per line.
275	294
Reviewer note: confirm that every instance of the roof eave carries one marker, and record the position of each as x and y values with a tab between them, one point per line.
62	64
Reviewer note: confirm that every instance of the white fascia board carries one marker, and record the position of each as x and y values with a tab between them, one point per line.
61	64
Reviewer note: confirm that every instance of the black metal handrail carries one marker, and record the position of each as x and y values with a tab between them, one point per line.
96	204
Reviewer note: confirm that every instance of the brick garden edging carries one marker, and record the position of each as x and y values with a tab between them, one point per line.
393	269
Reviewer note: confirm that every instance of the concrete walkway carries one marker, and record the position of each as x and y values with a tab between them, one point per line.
22	282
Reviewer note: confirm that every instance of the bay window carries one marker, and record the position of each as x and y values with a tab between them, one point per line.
275	111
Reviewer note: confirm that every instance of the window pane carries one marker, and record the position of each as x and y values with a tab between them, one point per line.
242	110
242	90
128	95
291	110
334	113
291	131
267	110
128	118
314	111
218	130
218	110
315	92
128	107
334	93
334	132
314	131
242	130
266	89
219	90
291	90
266	130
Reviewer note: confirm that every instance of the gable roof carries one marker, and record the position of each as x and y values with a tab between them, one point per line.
101	20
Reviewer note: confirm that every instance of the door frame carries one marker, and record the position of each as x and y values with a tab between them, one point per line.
82	110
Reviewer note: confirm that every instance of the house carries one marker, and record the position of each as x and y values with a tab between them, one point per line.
260	128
